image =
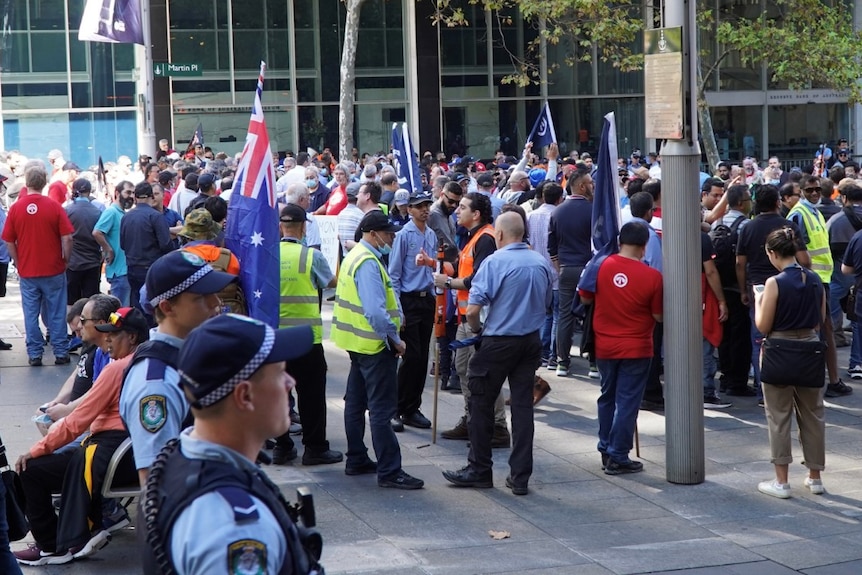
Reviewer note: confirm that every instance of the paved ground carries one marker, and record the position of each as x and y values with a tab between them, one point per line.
576	520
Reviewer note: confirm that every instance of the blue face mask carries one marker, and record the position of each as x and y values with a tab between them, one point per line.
385	249
310	183
774	182
324	172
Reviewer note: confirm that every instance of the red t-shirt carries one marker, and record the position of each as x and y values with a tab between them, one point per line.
35	224
58	191
337	201
628	293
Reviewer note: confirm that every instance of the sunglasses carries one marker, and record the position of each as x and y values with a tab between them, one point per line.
449	200
812	190
86	319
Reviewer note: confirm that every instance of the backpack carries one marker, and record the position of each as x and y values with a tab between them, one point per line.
232	295
724	239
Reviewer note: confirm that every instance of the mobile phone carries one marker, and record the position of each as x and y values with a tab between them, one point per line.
759	288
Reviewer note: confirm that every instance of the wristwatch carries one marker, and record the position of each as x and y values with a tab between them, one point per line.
449	283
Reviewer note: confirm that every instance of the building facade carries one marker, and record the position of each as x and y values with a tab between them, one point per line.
447	83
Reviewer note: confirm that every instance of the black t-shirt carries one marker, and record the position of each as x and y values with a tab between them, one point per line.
707	252
84	372
752	242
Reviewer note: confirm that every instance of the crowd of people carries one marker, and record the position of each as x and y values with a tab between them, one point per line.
170	345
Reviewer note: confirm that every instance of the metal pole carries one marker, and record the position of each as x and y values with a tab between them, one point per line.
683	328
146	135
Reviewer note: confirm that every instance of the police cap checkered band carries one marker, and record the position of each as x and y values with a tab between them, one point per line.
252	366
186	284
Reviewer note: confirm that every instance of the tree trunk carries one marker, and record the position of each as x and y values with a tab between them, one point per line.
705	119
348	79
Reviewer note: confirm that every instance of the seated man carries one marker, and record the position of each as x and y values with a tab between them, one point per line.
79	472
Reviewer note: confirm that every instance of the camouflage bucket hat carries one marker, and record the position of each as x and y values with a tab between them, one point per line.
199	225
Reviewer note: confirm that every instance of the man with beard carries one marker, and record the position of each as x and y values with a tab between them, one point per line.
107	234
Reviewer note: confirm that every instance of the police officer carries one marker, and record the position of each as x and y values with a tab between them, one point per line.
233	374
474	214
181	289
410	268
515	285
366	319
304	271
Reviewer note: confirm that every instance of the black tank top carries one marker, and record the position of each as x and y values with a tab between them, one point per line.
799	301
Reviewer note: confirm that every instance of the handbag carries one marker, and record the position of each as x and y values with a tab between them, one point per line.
793	362
15	517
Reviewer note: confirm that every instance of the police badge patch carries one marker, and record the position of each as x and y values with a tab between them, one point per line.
154	412
246	557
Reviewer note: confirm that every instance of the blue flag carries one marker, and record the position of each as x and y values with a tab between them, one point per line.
252	219
606	205
406	164
543	133
118	21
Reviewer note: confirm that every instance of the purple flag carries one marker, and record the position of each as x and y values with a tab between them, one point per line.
116	21
252	219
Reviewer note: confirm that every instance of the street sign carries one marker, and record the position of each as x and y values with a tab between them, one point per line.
176	69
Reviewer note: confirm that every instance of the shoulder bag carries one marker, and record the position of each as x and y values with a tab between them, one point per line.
15	517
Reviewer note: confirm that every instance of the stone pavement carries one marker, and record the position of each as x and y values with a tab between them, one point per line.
576	520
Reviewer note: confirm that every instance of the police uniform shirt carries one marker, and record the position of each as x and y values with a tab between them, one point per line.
406	276
152	404
515	282
206	536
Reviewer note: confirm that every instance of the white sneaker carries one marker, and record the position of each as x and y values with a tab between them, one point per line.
593	373
775	489
855	372
815	486
95	543
562	371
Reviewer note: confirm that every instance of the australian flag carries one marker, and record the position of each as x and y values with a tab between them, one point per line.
197	138
606	205
543	133
252	219
406	164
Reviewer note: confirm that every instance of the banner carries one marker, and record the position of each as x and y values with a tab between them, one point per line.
405	160
116	21
252	219
543	133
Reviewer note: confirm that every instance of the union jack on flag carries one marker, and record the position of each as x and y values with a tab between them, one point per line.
252	219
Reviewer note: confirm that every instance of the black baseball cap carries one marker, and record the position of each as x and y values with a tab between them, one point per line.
376	221
292	213
127	319
417	198
230	348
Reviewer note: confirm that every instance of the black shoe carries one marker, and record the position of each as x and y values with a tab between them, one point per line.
401	480
35	361
416	419
455	389
294	417
605	459
715	402
327	457
516	489
62	360
648	405
362	469
742	392
397	424
282	455
4	346
466	477
501	438
838	389
618	468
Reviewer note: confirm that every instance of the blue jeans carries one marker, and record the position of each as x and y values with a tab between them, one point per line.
856	345
623	383
48	296
120	289
756	344
549	328
372	386
8	564
709	369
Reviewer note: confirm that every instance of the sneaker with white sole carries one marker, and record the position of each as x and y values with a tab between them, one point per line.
562	370
593	373
34	556
815	486
855	372
96	542
116	520
775	489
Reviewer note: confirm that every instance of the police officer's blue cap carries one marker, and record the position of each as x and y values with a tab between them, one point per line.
228	349
180	271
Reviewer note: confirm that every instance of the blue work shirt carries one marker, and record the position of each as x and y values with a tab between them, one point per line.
652	255
227	541
4	251
497	203
405	274
321	273
144	235
515	283
372	294
109	225
161	386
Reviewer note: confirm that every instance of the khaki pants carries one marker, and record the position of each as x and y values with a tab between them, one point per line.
462	359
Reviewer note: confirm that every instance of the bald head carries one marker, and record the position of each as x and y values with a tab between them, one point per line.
509	228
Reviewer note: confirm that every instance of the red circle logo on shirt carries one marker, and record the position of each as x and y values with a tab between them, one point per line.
32	209
621	280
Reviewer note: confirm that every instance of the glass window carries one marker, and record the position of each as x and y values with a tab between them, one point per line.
276	11
192	46
248	15
306	49
49	51
303	13
794	130
195	15
318	127
737	131
732	73
15	53
47	15
249	48
124	57
34	96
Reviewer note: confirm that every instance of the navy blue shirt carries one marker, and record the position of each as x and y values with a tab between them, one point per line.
144	235
800	297
570	232
86	252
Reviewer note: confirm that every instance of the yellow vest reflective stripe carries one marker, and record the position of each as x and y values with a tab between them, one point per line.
299	303
818	241
350	330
